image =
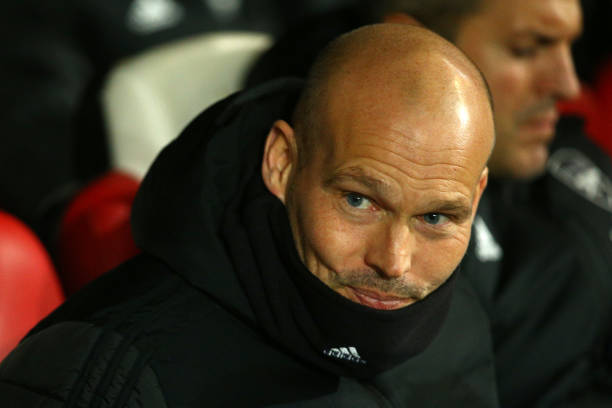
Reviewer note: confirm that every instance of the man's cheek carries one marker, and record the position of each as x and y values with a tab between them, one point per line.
509	89
445	254
338	242
435	268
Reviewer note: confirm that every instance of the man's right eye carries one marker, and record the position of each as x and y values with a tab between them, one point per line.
357	201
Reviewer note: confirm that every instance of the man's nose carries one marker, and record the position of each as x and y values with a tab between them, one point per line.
391	253
563	79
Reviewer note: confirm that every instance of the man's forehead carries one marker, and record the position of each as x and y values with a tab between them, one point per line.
542	18
552	18
442	190
411	144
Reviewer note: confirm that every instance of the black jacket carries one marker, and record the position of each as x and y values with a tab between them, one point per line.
549	289
183	326
540	259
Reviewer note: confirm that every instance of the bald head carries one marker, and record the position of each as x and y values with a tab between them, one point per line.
383	66
386	42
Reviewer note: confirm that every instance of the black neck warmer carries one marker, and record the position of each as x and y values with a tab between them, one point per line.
305	317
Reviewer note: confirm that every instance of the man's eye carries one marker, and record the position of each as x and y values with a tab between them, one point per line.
435	219
357	201
524	52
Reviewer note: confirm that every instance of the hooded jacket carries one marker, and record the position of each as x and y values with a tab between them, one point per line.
219	311
540	258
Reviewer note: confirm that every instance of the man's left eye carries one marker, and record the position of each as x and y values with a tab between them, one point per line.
435	219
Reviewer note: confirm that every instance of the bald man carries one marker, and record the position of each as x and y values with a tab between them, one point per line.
542	244
300	248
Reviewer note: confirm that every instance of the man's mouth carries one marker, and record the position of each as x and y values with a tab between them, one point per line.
543	124
377	300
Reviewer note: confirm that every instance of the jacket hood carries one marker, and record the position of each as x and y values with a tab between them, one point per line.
203	209
178	210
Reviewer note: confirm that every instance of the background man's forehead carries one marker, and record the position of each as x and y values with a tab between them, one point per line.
538	15
555	23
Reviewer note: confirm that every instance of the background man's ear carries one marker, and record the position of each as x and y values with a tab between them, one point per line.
279	156
401	18
480	187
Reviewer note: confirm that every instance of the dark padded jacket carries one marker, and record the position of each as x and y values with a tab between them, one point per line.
540	257
548	289
177	327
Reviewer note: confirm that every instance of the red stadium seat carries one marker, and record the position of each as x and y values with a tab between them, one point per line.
29	285
595	105
95	233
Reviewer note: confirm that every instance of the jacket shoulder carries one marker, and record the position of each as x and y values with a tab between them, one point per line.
78	364
99	344
160	339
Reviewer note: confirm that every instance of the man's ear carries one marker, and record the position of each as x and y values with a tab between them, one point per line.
480	187
280	155
401	18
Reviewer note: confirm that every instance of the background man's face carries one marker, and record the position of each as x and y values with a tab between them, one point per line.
523	49
382	212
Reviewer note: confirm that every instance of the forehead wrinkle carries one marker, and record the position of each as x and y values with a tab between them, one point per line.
452	199
418	147
452	185
400	140
420	162
359	175
458	203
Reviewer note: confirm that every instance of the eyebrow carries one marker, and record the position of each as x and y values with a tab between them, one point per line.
543	38
458	207
358	175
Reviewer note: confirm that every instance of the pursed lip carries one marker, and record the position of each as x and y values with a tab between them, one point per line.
377	300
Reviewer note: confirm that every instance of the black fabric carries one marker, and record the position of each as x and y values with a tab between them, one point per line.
300	312
142	326
550	297
177	326
295	50
210	159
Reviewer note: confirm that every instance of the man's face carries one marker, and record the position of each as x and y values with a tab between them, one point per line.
523	49
382	211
